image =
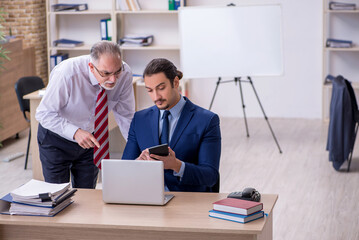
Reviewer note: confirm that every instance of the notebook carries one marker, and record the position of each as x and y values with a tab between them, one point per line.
133	182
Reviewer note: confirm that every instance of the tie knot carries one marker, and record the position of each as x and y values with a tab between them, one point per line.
165	114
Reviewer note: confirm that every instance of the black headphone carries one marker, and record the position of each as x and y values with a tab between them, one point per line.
249	194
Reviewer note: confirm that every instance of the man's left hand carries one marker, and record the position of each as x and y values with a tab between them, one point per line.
170	161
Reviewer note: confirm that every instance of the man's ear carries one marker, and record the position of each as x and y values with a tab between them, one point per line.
176	82
91	67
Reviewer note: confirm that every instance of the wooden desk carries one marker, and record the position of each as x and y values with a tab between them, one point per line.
184	217
35	99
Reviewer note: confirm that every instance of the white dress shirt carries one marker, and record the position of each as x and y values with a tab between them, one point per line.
70	99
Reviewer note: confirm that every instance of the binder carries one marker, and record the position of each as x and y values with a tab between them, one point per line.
69	7
109	29
136	40
67	43
57	58
53	59
106	29
103	26
171	4
61	57
177	4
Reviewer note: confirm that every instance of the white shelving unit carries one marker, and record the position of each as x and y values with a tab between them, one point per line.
153	18
340	24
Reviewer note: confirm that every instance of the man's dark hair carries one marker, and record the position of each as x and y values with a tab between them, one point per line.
165	66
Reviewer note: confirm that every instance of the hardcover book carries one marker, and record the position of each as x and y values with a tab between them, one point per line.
236	217
238	206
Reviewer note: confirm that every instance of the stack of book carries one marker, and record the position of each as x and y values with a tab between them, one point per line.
136	40
341	6
69	43
337	43
38	198
237	210
69	7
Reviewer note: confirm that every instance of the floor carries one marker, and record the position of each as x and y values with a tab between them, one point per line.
315	201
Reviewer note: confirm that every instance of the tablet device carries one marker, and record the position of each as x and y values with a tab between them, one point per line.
160	150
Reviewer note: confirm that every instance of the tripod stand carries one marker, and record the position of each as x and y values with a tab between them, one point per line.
239	80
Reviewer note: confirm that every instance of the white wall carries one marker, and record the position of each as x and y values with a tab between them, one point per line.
296	94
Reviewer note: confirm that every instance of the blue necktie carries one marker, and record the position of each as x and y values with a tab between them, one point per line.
165	128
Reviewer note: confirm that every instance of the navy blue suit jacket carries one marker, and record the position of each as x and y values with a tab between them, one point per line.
196	141
343	118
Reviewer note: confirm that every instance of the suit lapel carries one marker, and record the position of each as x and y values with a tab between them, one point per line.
185	118
154	124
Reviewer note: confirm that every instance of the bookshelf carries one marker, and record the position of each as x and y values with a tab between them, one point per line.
153	18
340	24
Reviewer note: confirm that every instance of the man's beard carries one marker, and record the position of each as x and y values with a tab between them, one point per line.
108	88
162	108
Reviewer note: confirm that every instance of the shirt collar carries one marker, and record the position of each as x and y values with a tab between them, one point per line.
93	78
177	109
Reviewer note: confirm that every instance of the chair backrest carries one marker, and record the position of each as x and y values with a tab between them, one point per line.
26	85
215	187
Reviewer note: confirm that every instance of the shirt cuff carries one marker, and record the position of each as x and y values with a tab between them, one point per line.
70	131
181	171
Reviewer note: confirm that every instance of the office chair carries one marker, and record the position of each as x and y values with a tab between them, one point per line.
343	122
215	187
23	86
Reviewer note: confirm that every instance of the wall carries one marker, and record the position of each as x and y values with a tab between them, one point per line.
27	19
296	94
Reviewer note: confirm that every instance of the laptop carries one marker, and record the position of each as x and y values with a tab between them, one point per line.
133	182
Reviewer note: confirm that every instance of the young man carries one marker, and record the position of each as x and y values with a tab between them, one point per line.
192	133
73	129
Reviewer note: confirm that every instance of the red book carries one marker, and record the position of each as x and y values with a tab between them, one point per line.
239	206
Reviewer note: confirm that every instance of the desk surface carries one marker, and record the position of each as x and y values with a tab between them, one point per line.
186	212
33	95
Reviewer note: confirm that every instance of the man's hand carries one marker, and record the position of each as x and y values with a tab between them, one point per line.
85	139
170	161
145	155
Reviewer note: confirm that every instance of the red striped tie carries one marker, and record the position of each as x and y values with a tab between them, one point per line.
101	129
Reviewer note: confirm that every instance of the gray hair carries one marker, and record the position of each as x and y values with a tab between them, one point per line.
104	47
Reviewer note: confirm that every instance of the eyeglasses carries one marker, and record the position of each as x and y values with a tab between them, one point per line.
107	74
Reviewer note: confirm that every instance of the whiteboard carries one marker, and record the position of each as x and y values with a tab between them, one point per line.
231	41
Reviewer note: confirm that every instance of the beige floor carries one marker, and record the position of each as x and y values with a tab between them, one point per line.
315	201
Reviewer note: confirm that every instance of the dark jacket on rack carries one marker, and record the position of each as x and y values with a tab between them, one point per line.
343	117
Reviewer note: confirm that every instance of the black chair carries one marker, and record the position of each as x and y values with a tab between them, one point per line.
23	86
215	187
